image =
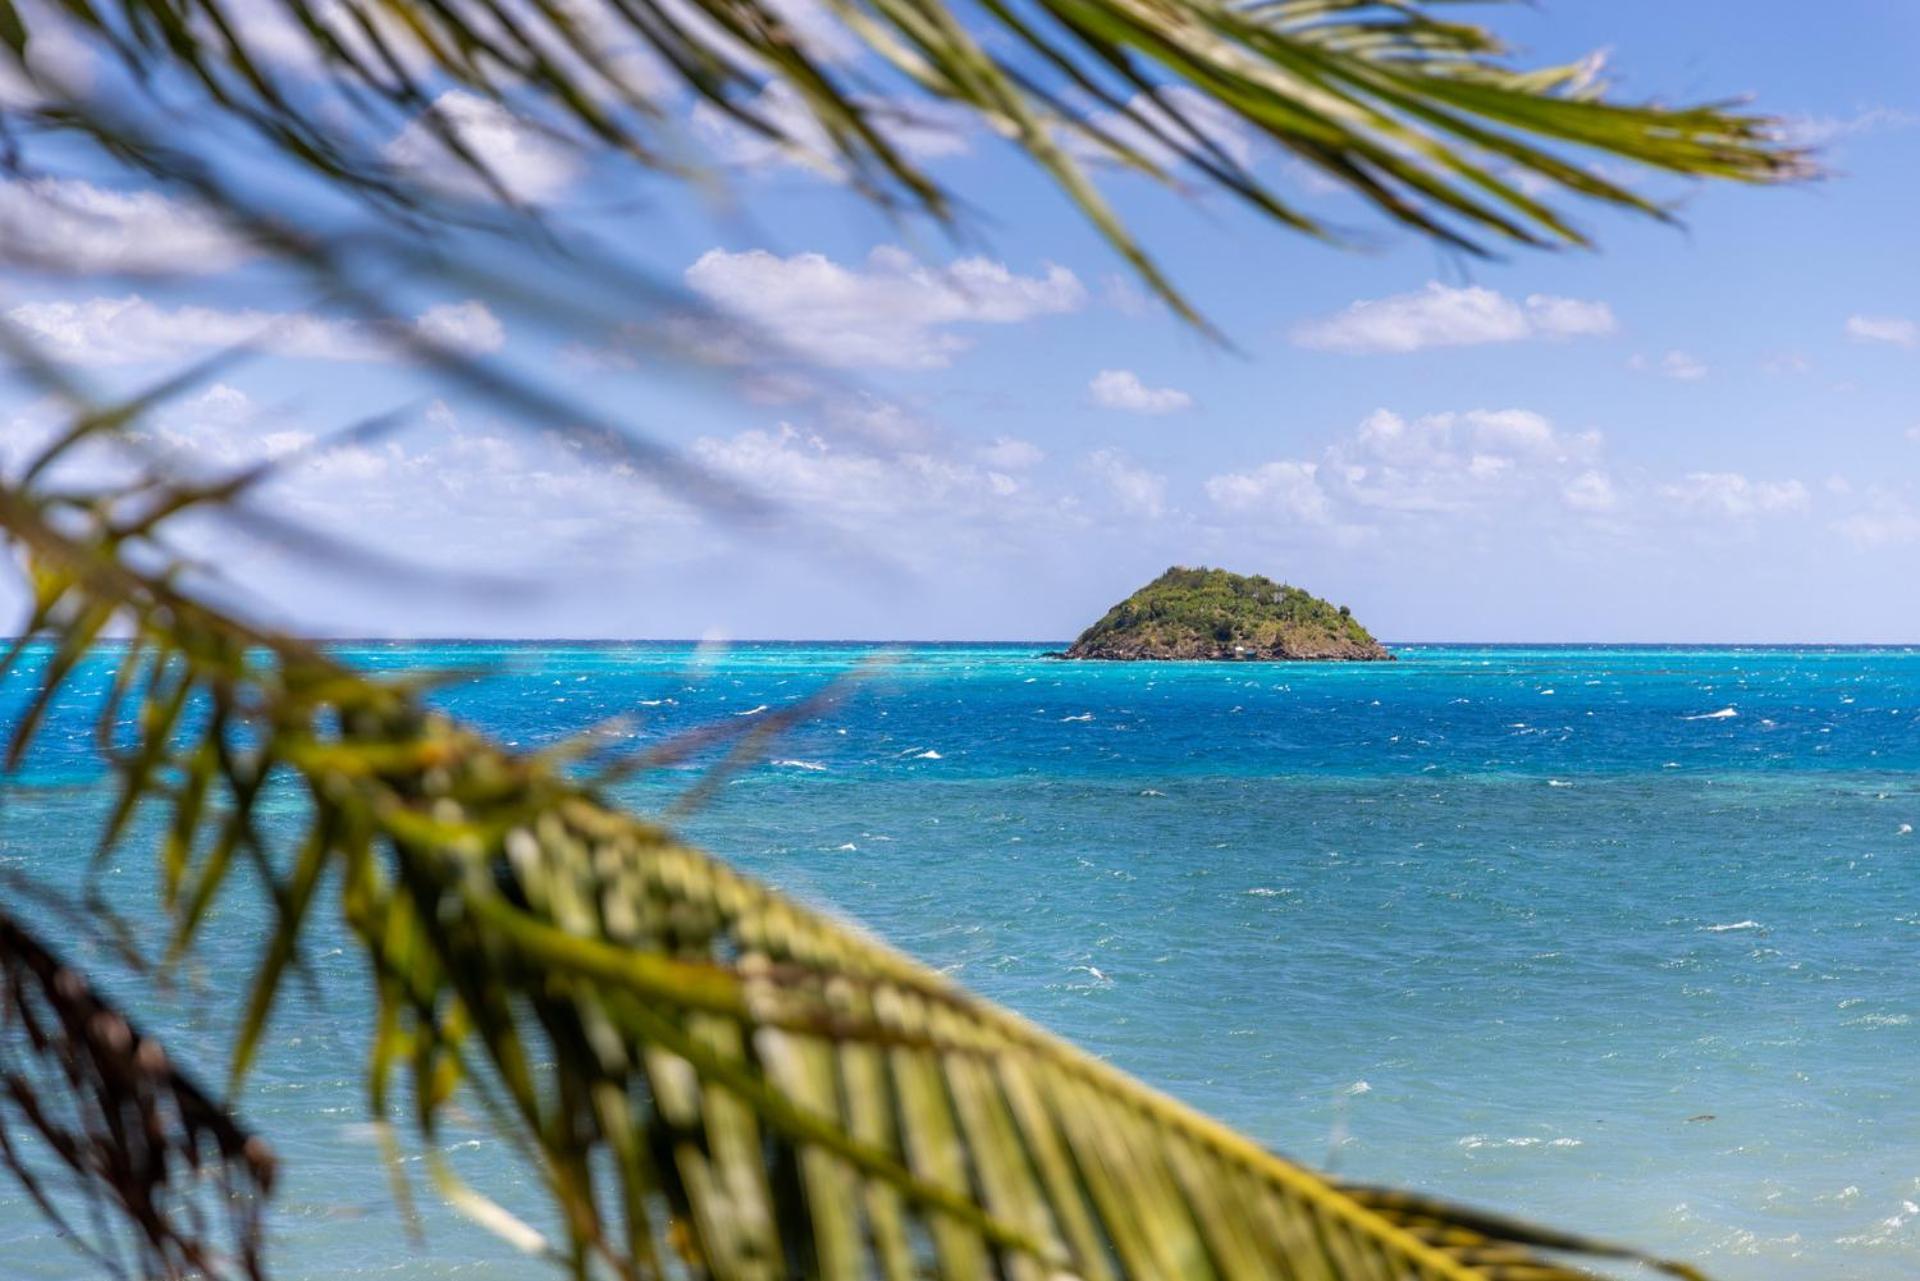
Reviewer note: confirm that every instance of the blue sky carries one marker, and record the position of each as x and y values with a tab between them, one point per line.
1709	433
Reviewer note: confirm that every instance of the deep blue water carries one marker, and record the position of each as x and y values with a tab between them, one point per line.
1626	938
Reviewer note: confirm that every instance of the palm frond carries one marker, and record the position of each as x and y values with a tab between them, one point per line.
705	1075
1427	120
95	1115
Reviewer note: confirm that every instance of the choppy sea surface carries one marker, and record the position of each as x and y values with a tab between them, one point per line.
1626	938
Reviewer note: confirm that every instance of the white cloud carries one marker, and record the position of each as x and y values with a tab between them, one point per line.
1122	389
1886	521
1815	131
896	313
1442	316
59	54
1192	112
1010	454
1897	330
921	130
916	501
468	326
532	166
1732	495
132	330
1137	490
68	225
1472	463
1676	364
1591	491
1287	488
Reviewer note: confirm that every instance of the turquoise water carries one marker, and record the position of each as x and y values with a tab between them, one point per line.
1625	938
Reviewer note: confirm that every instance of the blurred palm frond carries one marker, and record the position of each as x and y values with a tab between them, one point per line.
94	1114
705	1075
1427	120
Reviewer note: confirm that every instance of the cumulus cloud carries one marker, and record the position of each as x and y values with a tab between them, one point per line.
848	484
133	330
1137	490
532	166
1886	521
1676	364
1896	330
1122	389
1391	467
468	326
1287	488
1735	496
923	131
1179	112
895	313
1010	454
68	225
1591	491
59	54
1816	131
1442	316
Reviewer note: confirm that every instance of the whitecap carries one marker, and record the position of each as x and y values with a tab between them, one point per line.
1358	1087
1724	714
1084	716
1737	925
1473	1141
752	711
928	755
806	765
1262	891
1558	782
848	846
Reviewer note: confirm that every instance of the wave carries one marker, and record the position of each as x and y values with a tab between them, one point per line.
1737	925
1473	1141
1724	714
928	755
806	765
1084	716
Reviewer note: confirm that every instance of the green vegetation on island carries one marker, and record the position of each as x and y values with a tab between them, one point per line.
1212	614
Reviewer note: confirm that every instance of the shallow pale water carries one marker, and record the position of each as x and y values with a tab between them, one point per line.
1625	938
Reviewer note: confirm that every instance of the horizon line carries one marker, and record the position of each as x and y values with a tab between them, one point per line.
363	639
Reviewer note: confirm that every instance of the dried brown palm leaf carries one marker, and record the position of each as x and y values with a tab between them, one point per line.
95	1117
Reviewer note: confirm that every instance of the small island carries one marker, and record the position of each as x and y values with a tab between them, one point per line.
1210	614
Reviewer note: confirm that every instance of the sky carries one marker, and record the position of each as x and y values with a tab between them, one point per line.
1708	432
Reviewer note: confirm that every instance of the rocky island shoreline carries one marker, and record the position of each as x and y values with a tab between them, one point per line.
1211	615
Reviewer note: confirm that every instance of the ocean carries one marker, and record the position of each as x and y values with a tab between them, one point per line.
1626	939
